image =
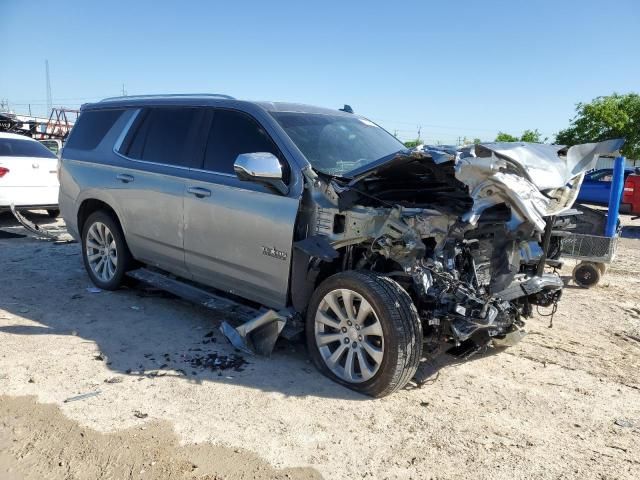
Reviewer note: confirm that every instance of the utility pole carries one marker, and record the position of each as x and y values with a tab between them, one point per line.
124	92
419	130
49	100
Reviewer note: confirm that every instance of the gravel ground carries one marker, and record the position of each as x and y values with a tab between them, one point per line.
564	403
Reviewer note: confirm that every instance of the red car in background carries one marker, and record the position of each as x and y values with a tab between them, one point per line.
631	193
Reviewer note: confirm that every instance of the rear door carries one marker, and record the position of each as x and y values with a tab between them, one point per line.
151	186
238	235
29	177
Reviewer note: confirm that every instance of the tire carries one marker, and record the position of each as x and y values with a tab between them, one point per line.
390	359
54	213
586	274
115	270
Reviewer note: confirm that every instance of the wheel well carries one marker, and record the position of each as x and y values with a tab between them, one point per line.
308	273
92	205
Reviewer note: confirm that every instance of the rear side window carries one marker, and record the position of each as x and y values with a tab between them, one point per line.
91	128
15	147
233	133
163	136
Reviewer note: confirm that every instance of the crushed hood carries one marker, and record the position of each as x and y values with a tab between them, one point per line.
536	180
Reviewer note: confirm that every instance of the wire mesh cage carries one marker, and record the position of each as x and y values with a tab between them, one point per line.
589	247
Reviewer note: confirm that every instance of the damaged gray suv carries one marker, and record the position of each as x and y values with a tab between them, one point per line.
376	253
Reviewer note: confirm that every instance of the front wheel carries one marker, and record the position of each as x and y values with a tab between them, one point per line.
363	332
104	251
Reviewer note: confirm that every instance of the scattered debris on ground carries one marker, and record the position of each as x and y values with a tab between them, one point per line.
83	396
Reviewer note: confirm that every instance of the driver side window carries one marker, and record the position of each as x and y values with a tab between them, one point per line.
233	133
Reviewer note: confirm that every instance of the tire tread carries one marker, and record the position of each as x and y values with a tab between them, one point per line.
404	321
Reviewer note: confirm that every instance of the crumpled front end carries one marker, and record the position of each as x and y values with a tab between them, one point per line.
535	180
463	231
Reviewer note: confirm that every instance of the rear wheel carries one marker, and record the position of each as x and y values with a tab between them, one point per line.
104	251
363	331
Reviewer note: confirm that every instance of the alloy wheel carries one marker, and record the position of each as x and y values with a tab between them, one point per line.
349	336
102	254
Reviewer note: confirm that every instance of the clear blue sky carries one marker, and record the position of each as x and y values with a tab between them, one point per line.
458	68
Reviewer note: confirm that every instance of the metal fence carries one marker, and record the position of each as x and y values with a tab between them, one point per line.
589	247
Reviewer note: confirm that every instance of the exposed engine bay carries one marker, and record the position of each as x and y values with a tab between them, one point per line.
465	231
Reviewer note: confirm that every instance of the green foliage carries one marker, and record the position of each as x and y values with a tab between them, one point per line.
476	141
532	136
413	143
613	116
505	137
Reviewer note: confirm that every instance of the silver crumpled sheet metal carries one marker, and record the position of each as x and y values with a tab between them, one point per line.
258	335
536	180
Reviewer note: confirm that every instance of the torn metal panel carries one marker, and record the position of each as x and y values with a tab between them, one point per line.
32	227
317	246
549	166
258	335
535	180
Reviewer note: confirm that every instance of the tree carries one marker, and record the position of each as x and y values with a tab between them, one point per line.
505	137
532	136
527	136
413	143
613	116
470	141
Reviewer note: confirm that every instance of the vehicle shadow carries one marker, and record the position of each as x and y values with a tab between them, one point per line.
445	357
11	228
146	333
630	231
137	332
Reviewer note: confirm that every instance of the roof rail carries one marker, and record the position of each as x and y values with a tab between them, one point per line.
169	95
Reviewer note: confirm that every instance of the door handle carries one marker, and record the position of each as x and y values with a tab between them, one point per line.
199	192
124	178
35	165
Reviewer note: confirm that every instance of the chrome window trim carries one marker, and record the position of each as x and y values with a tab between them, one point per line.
224	174
124	132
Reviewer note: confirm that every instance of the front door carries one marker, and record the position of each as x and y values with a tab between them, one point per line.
238	235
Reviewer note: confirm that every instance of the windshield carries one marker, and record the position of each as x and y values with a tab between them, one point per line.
14	147
337	144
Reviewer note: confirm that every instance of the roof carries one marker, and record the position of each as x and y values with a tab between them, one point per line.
207	99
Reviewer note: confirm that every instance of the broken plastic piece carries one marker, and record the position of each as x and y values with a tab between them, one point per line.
83	396
32	227
258	335
317	246
510	339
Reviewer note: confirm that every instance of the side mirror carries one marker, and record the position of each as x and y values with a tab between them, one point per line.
261	167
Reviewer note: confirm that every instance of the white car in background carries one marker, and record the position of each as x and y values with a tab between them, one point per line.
28	175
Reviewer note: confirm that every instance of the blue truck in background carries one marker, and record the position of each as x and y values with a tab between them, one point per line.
596	187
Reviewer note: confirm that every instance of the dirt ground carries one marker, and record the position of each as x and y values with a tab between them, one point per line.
564	403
